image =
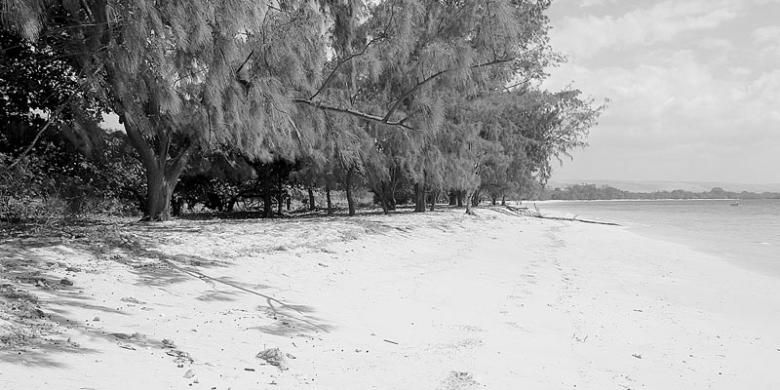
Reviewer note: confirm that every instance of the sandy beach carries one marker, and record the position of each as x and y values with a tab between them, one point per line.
439	301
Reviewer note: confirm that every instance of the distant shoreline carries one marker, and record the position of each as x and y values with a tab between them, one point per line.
596	192
638	200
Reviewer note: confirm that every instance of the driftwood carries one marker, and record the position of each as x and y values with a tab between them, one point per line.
538	214
576	220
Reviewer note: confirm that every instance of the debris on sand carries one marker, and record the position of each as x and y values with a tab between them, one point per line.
459	380
274	357
181	357
132	300
66	282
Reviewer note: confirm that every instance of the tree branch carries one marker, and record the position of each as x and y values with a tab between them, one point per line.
420	84
138	142
355	113
509	88
332	73
385	120
52	118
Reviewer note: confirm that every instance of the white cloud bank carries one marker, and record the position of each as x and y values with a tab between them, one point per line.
708	110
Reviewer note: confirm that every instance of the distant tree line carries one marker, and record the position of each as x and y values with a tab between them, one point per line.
251	102
594	192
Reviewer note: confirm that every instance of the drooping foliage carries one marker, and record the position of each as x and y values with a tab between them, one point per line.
422	97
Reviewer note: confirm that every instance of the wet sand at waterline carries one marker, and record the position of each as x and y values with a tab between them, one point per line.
433	301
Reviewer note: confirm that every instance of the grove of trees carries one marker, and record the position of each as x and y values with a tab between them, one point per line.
218	101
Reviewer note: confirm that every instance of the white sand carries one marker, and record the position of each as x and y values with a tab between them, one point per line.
455	302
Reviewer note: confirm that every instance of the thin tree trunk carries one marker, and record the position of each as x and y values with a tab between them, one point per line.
419	198
348	188
503	200
327	198
280	195
391	189
268	209
469	201
312	206
460	195
453	197
176	205
382	194
494	199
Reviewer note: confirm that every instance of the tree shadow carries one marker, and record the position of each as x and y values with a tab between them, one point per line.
30	263
291	320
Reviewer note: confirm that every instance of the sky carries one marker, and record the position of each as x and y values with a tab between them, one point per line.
693	88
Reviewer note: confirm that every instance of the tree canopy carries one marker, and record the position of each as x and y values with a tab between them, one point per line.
438	96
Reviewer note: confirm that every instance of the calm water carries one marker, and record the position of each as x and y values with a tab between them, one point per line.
748	235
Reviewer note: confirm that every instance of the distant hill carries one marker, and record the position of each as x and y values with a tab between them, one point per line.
653	186
606	192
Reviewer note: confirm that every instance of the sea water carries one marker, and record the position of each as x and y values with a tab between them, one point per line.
745	232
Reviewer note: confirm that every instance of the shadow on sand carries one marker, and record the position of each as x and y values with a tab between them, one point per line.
32	329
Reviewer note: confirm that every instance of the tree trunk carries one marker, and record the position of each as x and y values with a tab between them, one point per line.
382	194
268	209
474	197
419	198
494	199
158	197
176	204
503	200
312	206
348	188
279	195
469	202
162	172
434	197
453	197
392	185
460	195
393	202
327	198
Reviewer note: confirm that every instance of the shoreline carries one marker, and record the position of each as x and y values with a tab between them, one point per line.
636	200
698	232
418	301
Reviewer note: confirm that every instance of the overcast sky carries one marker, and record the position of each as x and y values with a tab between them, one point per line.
694	88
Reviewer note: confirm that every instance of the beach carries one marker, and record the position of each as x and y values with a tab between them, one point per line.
411	301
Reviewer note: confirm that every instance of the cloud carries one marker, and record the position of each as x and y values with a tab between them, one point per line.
584	37
594	3
678	106
766	34
694	88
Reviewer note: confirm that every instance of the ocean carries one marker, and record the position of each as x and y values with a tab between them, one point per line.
748	234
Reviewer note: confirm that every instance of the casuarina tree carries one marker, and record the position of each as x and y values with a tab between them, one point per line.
186	75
